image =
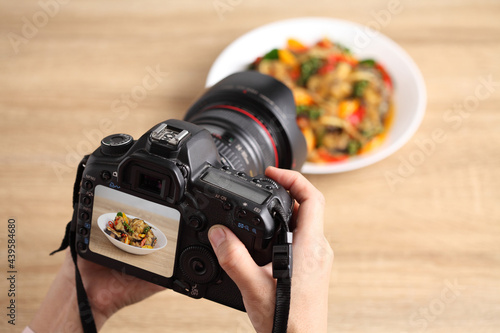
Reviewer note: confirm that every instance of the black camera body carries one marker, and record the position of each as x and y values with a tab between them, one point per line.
177	180
176	165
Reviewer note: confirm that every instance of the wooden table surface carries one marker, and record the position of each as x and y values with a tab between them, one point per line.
421	255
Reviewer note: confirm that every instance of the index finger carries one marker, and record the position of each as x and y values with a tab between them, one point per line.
310	199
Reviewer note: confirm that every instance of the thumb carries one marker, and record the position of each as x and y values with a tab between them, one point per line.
255	283
234	258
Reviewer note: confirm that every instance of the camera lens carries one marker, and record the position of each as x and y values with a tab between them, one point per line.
252	119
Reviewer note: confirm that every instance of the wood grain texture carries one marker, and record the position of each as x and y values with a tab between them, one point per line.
420	255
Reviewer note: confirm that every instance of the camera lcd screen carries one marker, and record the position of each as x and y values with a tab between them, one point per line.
147	243
227	183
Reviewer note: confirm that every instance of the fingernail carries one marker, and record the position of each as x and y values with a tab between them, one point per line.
216	236
269	168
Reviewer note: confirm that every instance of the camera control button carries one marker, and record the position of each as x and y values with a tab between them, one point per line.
256	220
195	222
84	216
83	231
184	286
81	247
87	184
105	175
227	206
198	264
86	201
241	213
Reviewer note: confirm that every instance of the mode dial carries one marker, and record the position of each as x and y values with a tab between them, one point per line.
266	183
116	144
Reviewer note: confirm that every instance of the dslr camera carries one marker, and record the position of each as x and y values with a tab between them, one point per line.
144	207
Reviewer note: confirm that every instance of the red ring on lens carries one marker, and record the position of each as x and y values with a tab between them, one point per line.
251	116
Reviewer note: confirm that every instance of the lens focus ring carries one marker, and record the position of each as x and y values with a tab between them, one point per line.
228	154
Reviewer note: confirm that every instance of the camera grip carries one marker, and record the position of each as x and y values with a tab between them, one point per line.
226	293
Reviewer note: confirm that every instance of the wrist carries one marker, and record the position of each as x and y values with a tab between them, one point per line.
59	310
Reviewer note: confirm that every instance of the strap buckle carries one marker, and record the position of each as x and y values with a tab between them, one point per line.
282	258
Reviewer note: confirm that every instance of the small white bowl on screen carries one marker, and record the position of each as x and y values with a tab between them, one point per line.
161	242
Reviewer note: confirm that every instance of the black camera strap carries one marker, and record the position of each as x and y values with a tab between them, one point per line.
86	316
282	271
282	308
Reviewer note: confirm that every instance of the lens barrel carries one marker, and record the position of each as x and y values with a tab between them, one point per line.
252	119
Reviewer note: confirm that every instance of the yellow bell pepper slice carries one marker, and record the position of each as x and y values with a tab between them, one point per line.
348	107
295	46
287	58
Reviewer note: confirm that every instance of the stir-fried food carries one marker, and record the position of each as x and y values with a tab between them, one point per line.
344	105
133	232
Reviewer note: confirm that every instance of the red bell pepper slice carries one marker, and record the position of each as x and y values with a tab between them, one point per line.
325	43
385	76
357	116
333	60
329	158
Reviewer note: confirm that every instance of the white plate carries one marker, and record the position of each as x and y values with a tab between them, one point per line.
102	222
410	94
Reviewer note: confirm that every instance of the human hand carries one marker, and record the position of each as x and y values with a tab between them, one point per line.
108	291
312	263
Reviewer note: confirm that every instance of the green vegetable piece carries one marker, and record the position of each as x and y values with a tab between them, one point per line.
146	229
272	55
359	88
127	227
310	111
353	147
309	68
367	62
119	214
